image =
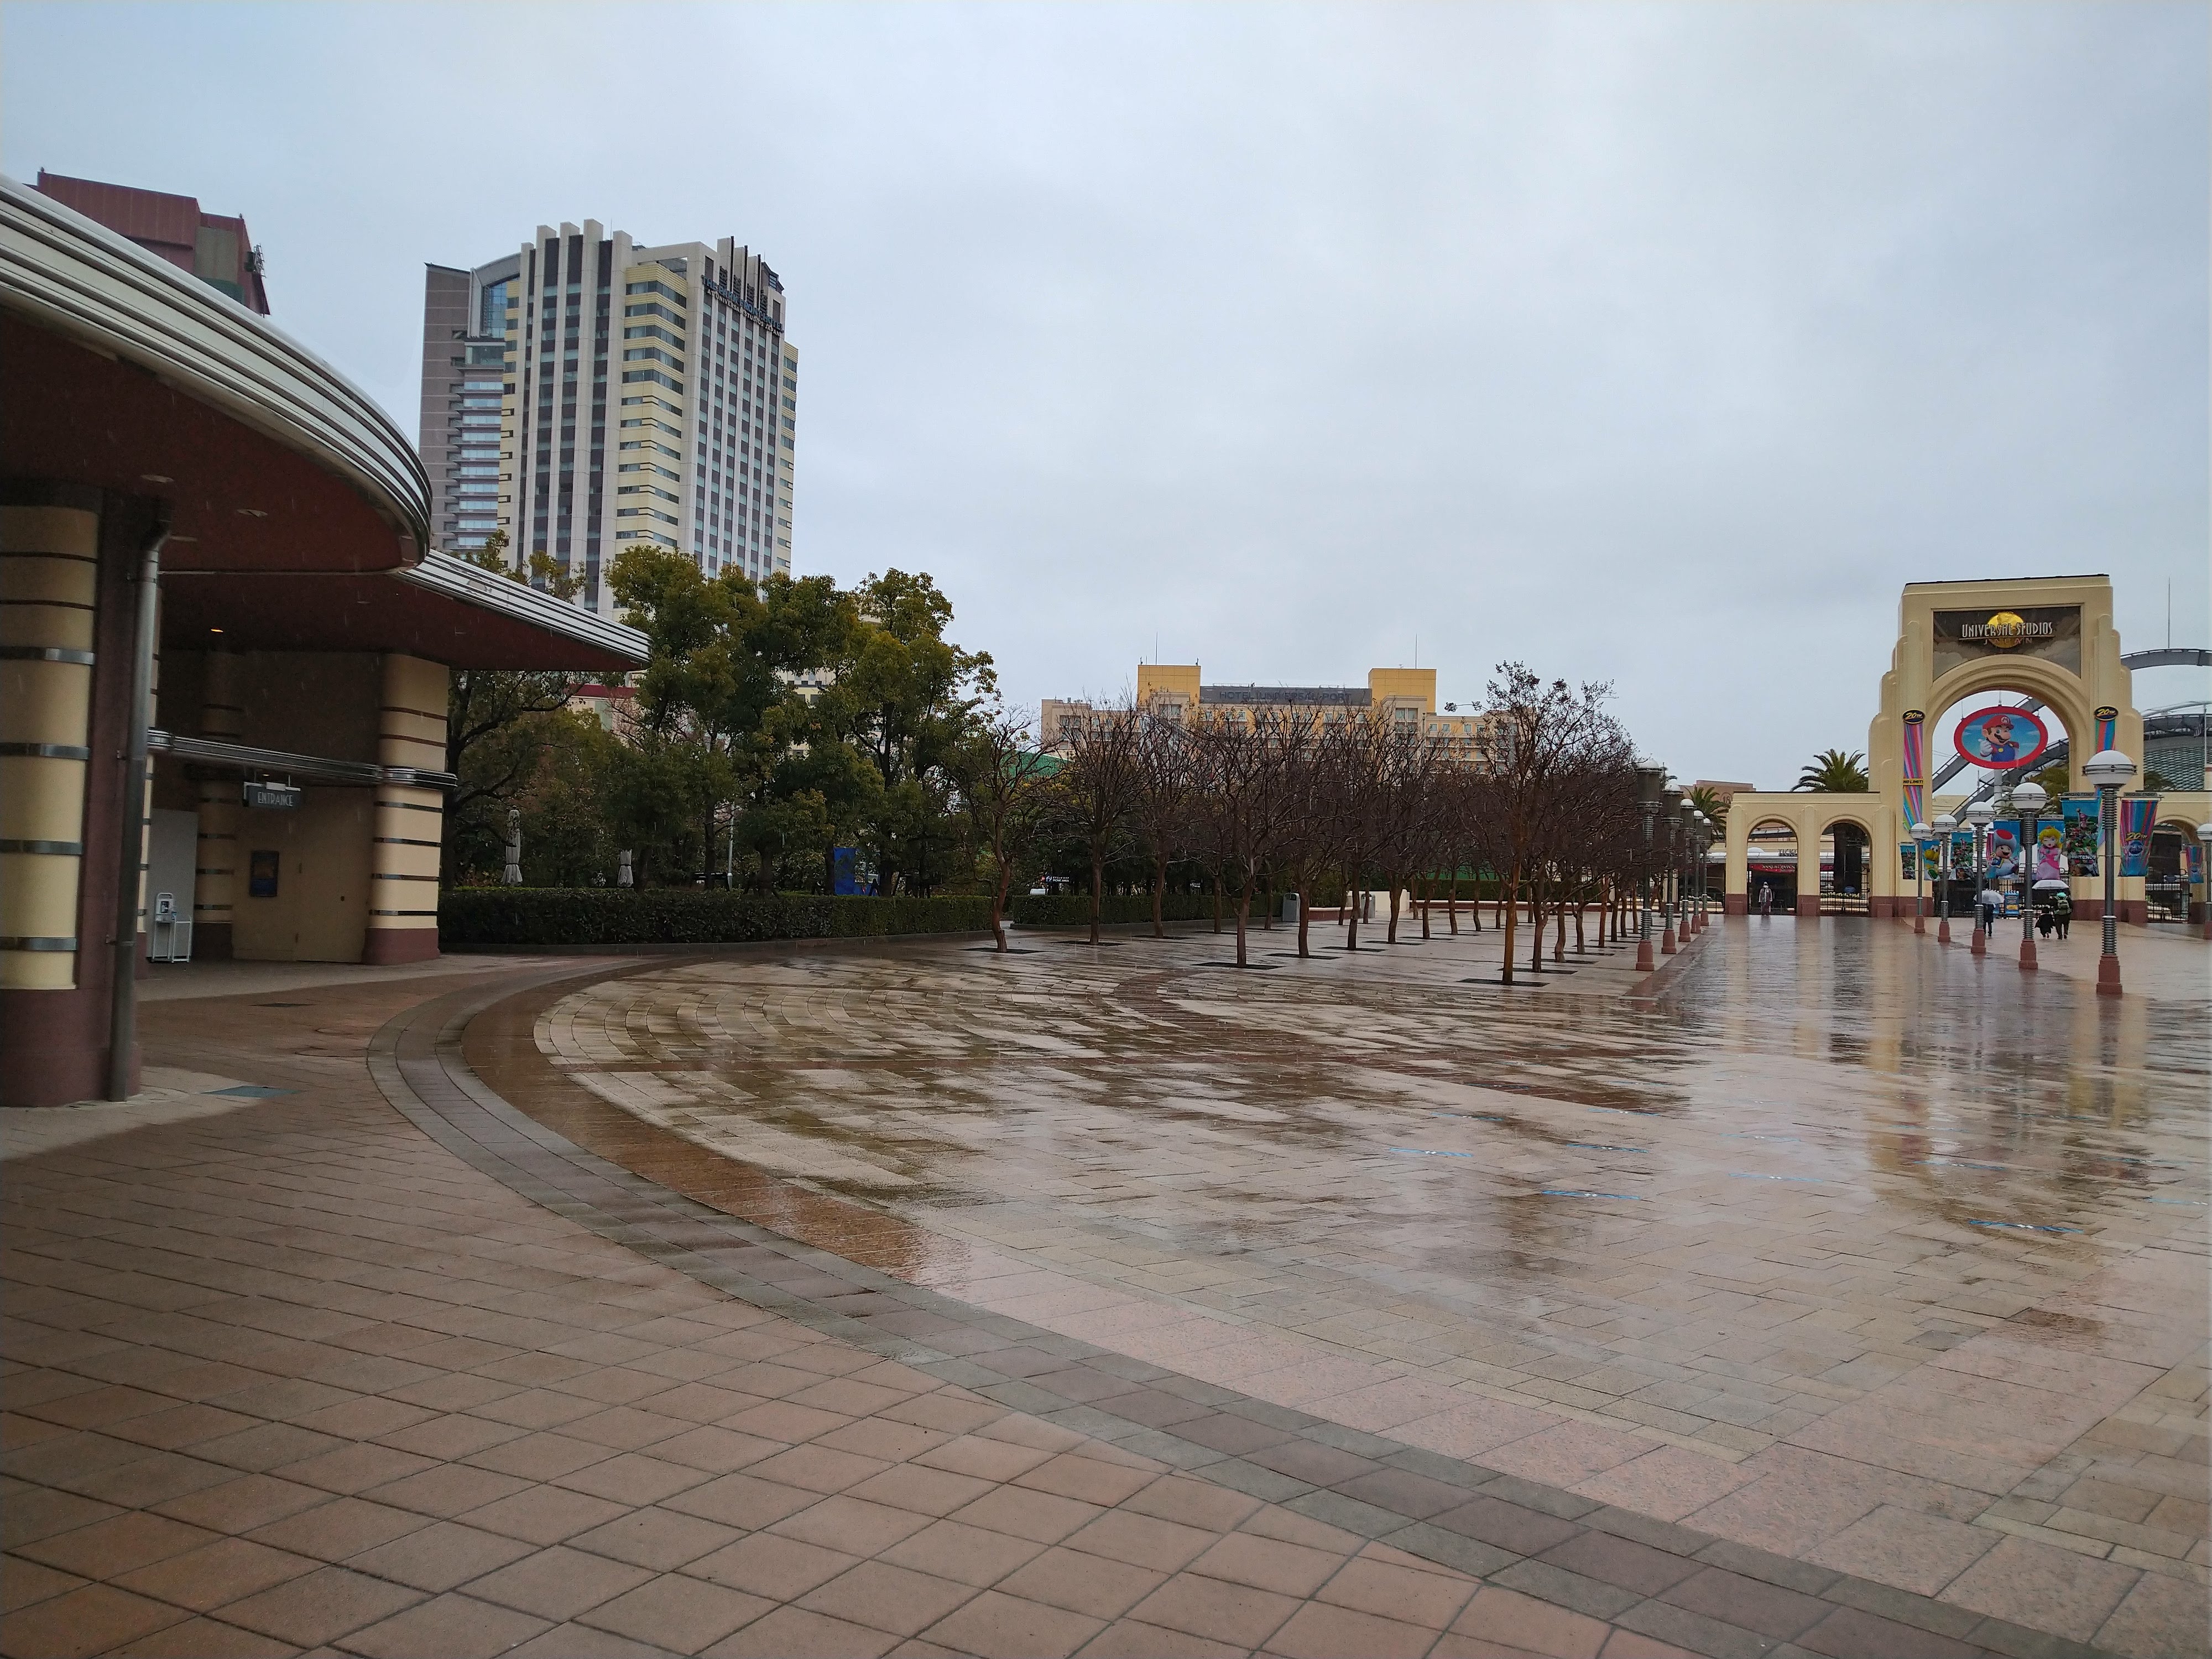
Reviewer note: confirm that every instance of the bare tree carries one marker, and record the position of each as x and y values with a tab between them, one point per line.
1243	764
1002	774
1160	801
1536	737
1095	789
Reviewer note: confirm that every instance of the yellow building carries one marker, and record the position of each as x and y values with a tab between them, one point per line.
1177	691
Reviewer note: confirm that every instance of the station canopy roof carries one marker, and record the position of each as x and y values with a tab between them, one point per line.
300	513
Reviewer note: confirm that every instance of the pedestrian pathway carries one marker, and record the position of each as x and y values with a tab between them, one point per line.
300	1372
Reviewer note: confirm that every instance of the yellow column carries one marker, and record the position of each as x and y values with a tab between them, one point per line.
410	823
49	578
215	886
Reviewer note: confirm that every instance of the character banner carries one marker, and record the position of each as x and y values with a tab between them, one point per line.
2137	814
2049	856
2079	824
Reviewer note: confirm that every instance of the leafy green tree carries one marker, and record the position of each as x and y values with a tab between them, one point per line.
904	699
710	683
1711	803
565	841
1835	773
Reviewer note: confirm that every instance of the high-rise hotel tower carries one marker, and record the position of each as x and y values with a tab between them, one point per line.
584	393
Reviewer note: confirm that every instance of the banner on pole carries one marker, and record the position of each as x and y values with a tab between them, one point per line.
2137	814
2079	822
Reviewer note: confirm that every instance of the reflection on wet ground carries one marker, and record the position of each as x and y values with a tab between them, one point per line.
1843	1241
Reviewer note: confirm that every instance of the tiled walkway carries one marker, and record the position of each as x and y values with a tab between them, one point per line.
308	1372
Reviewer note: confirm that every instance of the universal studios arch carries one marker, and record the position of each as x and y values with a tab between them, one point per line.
2048	639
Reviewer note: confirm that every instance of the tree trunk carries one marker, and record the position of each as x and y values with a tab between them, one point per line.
1303	906
1428	894
1536	924
1452	901
1559	934
1351	914
1510	908
1243	910
1580	948
999	903
1391	937
1159	897
1217	898
1098	889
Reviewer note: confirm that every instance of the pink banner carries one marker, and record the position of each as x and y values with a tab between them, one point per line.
1916	775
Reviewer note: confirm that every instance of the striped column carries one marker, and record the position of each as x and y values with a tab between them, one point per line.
215	874
49	589
409	823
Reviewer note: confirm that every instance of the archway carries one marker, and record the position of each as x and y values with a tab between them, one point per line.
1846	869
2171	875
1772	867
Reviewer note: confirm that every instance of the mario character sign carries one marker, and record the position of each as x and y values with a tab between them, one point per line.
2001	738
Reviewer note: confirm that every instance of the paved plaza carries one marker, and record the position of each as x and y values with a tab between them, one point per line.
1831	1292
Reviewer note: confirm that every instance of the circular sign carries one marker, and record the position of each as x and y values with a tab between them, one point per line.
2001	738
2006	630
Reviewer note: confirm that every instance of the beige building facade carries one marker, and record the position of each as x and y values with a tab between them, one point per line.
1178	691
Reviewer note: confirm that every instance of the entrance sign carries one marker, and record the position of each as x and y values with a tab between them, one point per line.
2001	738
283	797
2051	631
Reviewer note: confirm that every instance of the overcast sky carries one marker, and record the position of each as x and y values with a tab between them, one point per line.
1649	344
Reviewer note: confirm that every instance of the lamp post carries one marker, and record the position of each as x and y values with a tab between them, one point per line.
1704	872
1979	815
1669	872
1921	832
2108	769
1650	788
1946	826
1682	866
2028	797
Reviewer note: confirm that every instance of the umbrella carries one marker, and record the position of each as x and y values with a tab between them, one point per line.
2050	885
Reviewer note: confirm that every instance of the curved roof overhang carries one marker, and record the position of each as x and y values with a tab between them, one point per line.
300	513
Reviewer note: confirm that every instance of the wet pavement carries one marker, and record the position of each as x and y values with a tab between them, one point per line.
1112	1302
1834	1243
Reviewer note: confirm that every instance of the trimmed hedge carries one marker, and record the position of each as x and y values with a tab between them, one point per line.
1073	909
550	918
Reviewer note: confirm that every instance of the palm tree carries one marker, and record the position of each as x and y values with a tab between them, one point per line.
1832	772
1712	805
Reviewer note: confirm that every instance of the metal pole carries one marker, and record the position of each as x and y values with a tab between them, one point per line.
130	813
1919	881
2108	965
1644	964
1944	885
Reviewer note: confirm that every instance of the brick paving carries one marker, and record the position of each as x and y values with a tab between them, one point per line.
307	1373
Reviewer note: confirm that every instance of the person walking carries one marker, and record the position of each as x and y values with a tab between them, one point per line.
1992	903
2061	910
1766	899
